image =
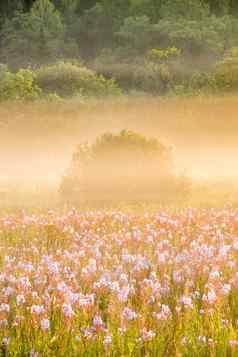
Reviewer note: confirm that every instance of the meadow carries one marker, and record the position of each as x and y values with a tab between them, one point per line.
116	284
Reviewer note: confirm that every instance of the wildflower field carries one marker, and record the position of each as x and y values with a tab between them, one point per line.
116	284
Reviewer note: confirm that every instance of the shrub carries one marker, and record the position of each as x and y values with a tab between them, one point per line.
222	77
196	84
226	71
123	71
3	70
122	167
19	86
154	72
158	54
67	79
159	63
149	78
142	76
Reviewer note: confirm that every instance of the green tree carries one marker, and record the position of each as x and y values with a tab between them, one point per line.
7	7
70	13
136	33
223	7
210	34
149	8
117	10
95	31
34	37
186	9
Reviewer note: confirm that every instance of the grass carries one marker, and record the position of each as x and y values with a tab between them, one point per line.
119	284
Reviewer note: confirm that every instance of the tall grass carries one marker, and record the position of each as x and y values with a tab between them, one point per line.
116	284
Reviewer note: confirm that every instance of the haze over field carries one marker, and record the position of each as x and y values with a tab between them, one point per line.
37	143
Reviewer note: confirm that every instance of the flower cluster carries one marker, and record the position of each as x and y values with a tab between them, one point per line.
120	282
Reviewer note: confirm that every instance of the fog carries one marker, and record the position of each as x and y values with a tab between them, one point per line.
37	140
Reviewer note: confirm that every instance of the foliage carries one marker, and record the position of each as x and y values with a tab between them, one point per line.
226	71
137	33
221	7
158	54
3	70
94	31
19	86
149	8
223	77
34	37
184	9
152	78
209	35
119	167
70	78
154	73
160	62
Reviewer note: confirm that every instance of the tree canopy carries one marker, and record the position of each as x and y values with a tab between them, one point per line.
114	37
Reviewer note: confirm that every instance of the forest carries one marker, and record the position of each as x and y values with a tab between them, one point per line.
152	46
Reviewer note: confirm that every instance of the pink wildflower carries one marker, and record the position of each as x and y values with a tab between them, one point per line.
45	324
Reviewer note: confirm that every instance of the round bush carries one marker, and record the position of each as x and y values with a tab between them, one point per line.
121	167
18	86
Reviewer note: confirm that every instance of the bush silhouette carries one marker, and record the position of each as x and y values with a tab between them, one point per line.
122	167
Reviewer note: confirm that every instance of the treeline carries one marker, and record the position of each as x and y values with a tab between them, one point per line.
150	45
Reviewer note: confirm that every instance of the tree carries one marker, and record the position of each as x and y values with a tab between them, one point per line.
209	35
95	31
35	37
222	7
184	9
8	7
121	167
149	8
136	32
116	10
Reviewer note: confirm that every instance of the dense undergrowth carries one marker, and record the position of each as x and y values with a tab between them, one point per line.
159	75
